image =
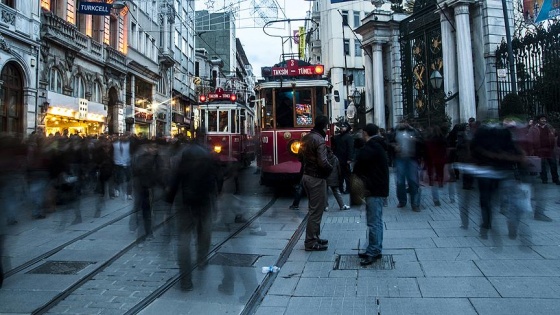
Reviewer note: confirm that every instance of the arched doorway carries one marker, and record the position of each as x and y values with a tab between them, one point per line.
11	99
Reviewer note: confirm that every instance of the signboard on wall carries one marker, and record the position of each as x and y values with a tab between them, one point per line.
94	8
82	108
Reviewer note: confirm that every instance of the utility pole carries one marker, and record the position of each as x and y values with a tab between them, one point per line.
510	49
345	73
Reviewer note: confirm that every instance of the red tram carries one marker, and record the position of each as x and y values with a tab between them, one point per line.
230	125
292	94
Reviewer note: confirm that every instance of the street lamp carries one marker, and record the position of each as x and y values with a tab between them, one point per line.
436	80
357	97
119	4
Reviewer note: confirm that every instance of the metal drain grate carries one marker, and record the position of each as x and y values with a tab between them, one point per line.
61	267
352	262
234	260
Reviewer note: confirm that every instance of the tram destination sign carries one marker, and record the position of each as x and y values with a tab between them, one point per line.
94	8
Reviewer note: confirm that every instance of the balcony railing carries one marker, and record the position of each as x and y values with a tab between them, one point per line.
115	58
7	15
57	28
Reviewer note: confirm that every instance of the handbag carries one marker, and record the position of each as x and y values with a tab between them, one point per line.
533	164
357	190
522	196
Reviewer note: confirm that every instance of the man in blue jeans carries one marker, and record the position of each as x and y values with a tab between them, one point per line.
408	144
372	167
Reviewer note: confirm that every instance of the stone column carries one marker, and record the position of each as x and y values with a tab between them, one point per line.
369	81
467	105
449	51
378	91
133	101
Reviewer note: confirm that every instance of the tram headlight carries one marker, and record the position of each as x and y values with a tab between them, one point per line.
294	146
218	149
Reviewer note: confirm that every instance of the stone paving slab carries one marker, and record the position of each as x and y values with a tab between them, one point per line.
518	268
456	287
523	287
423	306
447	268
508	306
387	287
448	253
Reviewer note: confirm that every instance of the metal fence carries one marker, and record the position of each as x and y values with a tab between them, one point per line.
537	72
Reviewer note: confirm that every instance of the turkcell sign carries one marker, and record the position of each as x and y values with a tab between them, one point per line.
94	8
283	71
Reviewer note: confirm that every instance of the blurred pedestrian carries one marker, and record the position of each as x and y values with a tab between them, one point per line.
316	170
543	138
408	149
196	179
343	148
372	167
103	160
333	180
494	151
435	158
145	170
122	173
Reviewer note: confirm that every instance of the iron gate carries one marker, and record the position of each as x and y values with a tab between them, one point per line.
537	67
422	62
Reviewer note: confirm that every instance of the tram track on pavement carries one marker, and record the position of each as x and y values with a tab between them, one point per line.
169	283
59	248
174	280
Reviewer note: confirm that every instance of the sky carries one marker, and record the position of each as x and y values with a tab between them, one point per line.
261	49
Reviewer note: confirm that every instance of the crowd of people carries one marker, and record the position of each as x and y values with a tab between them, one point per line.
502	159
59	171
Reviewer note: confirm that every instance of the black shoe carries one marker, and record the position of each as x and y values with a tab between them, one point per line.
293	207
186	285
542	217
39	216
240	219
437	203
225	289
316	247
363	255
322	241
370	260
416	208
401	205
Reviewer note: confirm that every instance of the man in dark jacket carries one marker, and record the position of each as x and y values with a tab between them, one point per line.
343	148
196	176
316	168
373	168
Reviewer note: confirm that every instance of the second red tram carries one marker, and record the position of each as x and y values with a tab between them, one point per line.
293	93
229	124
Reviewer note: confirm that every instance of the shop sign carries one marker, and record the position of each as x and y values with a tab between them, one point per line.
94	8
83	108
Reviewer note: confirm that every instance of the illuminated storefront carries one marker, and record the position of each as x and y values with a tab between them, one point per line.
71	115
64	120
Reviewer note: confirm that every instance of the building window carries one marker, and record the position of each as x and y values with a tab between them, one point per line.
96	96
344	17
11	99
357	19
357	48
134	34
79	88
196	69
347	47
55	81
71	12
9	3
161	84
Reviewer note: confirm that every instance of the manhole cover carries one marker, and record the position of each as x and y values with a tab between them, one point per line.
352	262
61	267
234	260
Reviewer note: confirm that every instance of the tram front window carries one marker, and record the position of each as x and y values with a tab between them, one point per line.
284	109
212	121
